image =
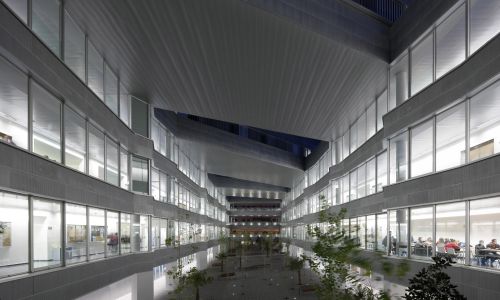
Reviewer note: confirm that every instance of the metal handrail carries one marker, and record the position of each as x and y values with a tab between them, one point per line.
390	10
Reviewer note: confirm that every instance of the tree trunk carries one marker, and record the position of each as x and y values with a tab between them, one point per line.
221	265
197	293
300	277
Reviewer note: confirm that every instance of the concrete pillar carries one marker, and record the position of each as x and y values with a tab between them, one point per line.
144	287
401	87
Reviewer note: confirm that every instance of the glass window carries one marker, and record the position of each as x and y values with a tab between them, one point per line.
362	181
163	187
140	117
140	180
112	234
76	233
353	177
47	244
13	234
97	233
75	147
111	161
421	224
421	148
95	72
484	229
422	64
336	192
124	176
155	184
144	229
110	89
353	137
362	232
381	171
125	233
398	158
398	83
74	47
163	232
45	23
382	232
345	189
155	233
354	229
370	232
338	150
345	145
371	119
398	234
361	130
381	109
20	8
13	105
333	154
371	187
484	22
124	105
46	124
96	153
450	230
450	138
485	123
450	42
155	134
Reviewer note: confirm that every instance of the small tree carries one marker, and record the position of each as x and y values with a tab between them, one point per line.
433	283
335	252
223	242
244	244
194	278
267	245
221	257
297	264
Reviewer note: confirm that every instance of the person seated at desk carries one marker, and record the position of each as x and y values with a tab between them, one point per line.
493	244
493	255
422	247
452	244
440	247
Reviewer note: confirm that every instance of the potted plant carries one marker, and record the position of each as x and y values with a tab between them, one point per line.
432	282
169	241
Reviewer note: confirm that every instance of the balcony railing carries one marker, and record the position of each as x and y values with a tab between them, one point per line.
390	10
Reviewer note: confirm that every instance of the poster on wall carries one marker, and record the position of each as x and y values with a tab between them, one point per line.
5	234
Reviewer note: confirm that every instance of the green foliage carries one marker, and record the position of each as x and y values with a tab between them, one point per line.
221	257
297	264
193	278
223	241
335	252
268	243
169	241
433	283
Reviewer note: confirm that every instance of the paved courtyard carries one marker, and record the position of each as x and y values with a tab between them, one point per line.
261	277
